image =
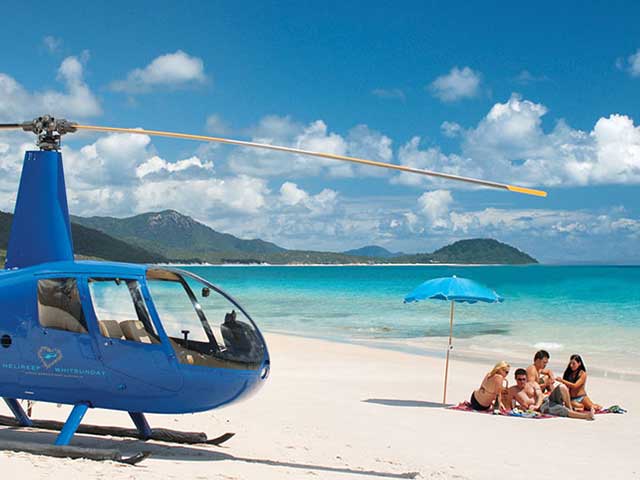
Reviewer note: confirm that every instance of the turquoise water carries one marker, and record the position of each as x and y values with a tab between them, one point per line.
592	310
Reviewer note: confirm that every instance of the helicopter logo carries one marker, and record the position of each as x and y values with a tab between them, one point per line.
49	356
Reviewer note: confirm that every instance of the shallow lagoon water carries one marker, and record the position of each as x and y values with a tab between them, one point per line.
591	310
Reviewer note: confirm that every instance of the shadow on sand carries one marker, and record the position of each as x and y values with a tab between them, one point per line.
178	452
392	402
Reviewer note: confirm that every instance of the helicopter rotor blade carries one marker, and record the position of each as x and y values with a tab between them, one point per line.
10	126
362	161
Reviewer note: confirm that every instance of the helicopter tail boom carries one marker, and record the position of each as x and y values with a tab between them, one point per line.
40	231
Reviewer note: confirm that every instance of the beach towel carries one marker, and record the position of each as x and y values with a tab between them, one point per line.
516	412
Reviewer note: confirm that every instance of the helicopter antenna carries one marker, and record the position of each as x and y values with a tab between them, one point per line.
49	131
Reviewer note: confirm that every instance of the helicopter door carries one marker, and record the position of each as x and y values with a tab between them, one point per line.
128	340
59	353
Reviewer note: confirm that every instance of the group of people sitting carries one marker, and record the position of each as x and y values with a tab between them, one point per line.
537	389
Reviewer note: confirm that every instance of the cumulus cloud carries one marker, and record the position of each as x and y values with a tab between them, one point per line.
322	203
290	194
18	104
511	143
111	160
172	70
315	136
210	197
122	174
435	206
456	85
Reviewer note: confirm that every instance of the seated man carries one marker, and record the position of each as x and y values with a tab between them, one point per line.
559	403
526	395
539	373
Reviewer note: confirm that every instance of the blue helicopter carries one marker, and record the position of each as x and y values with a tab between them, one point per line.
136	338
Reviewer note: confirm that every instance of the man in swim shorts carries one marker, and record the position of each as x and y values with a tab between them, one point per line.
558	403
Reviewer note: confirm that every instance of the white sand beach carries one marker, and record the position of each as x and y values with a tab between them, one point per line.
341	411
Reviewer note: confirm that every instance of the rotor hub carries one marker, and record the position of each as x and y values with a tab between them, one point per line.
49	130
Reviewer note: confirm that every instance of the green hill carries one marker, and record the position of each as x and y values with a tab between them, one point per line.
88	242
177	236
473	251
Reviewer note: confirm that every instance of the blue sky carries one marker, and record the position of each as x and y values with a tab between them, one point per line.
543	96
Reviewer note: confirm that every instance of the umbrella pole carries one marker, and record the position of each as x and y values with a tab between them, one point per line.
446	368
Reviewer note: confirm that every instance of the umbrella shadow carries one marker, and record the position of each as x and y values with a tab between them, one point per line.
169	451
394	402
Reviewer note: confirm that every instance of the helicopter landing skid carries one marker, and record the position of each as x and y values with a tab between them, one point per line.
158	434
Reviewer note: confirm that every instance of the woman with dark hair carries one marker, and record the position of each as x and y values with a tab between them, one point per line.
575	378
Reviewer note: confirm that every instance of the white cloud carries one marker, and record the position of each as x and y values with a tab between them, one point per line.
450	129
172	70
389	94
456	85
322	203
433	159
631	65
511	145
157	165
435	206
315	136
18	104
52	43
208	198
290	194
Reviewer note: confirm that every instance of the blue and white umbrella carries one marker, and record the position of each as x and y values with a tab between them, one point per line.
452	289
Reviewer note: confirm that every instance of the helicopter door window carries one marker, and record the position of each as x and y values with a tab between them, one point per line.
121	311
237	337
59	305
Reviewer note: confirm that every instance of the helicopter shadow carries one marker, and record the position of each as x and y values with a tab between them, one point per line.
393	402
179	452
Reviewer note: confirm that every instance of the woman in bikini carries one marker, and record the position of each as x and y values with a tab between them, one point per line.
575	378
491	387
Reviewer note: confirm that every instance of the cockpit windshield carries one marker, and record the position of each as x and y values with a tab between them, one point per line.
204	326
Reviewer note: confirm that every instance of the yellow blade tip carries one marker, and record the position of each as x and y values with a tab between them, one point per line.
527	191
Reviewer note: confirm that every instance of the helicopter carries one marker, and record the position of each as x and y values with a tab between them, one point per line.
135	338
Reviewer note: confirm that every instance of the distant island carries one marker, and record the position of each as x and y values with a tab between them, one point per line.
171	237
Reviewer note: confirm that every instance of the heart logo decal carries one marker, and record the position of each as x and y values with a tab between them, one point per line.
49	356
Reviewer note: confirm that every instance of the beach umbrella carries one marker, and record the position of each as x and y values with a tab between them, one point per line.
452	289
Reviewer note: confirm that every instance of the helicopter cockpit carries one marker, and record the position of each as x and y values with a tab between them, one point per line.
205	327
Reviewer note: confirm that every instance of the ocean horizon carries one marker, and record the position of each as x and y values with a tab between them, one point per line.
593	310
